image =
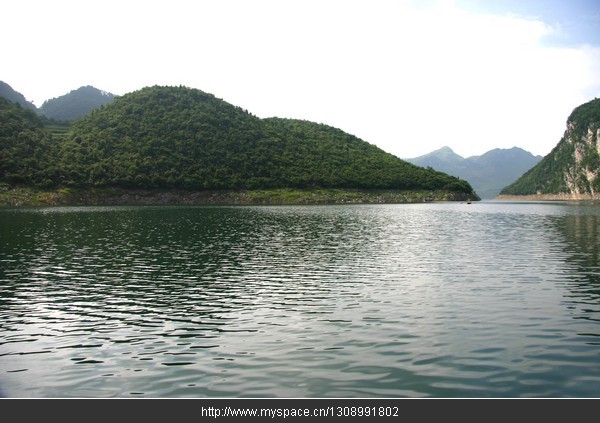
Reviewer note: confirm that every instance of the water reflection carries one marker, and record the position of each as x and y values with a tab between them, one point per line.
582	235
417	300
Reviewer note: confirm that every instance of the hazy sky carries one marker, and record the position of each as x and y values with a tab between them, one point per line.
407	76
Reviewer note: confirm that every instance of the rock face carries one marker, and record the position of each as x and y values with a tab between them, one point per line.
581	176
572	168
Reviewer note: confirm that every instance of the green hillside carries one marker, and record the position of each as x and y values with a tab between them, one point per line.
179	138
7	92
27	149
573	165
317	154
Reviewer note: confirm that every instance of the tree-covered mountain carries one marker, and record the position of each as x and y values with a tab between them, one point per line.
27	149
76	103
573	166
488	173
176	137
7	92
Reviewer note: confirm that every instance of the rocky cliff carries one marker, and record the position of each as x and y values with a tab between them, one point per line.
572	168
581	176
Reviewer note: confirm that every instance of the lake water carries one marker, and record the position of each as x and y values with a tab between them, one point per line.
491	299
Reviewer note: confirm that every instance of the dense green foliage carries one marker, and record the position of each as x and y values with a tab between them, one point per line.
27	149
76	103
163	137
585	116
180	137
176	137
550	175
313	154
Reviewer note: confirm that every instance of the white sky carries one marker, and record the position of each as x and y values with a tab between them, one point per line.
407	76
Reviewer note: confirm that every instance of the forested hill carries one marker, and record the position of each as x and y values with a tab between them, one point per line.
177	137
308	154
27	148
573	166
7	92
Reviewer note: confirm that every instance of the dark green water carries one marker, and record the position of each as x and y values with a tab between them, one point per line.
427	300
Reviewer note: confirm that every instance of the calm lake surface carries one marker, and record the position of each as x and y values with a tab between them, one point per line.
492	299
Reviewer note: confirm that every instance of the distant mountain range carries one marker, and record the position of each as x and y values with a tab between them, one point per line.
488	174
572	169
68	107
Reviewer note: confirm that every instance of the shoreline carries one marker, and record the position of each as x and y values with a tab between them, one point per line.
25	196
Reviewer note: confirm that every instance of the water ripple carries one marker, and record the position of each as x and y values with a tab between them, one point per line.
428	300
